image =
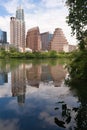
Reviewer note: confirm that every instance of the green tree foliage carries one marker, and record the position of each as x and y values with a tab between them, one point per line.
77	19
78	66
53	54
13	49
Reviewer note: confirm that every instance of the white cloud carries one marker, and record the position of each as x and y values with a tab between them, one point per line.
5	25
10	6
28	5
53	3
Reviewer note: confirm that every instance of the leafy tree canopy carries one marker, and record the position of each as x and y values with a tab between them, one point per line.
77	19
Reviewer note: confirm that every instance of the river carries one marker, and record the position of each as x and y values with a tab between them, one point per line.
34	96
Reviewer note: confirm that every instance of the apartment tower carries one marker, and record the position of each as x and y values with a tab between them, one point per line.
17	29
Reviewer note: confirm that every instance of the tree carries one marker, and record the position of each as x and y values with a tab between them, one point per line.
77	19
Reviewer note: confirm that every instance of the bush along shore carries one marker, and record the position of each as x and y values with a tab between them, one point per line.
26	55
77	68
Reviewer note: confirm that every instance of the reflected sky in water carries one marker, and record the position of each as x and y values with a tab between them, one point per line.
34	96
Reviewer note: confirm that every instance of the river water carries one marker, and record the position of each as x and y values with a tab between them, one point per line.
33	96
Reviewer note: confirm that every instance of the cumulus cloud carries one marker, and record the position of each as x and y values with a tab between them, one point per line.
53	3
10	5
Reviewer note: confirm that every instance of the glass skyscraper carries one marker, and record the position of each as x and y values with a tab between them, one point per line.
3	36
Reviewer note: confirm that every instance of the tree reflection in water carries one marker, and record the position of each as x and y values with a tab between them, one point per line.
80	112
81	117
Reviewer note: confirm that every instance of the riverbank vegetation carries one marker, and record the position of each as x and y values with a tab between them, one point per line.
13	53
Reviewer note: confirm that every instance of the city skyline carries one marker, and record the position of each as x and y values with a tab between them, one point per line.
48	15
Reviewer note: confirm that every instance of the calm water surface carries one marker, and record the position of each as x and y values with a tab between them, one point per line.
33	96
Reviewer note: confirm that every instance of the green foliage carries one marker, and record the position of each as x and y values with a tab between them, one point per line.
13	49
29	55
2	49
77	19
13	53
53	54
78	66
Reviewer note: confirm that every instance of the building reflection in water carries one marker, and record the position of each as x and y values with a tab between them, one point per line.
58	74
46	73
19	83
33	75
3	78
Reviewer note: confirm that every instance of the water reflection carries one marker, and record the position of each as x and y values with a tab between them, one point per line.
34	96
34	75
81	116
3	78
18	81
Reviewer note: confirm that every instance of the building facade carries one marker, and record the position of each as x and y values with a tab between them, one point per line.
33	39
3	37
69	48
17	29
20	13
45	38
58	40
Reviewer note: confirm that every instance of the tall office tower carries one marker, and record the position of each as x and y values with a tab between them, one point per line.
3	37
17	29
45	38
20	13
33	39
58	40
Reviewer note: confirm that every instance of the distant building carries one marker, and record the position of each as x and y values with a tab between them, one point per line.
69	48
3	37
58	40
33	39
17	29
45	38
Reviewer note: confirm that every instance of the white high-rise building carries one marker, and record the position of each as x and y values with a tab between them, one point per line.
17	29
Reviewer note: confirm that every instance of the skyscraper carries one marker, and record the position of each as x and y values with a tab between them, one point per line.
20	13
33	39
45	38
58	40
17	29
3	37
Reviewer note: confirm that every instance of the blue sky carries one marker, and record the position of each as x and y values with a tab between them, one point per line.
47	14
